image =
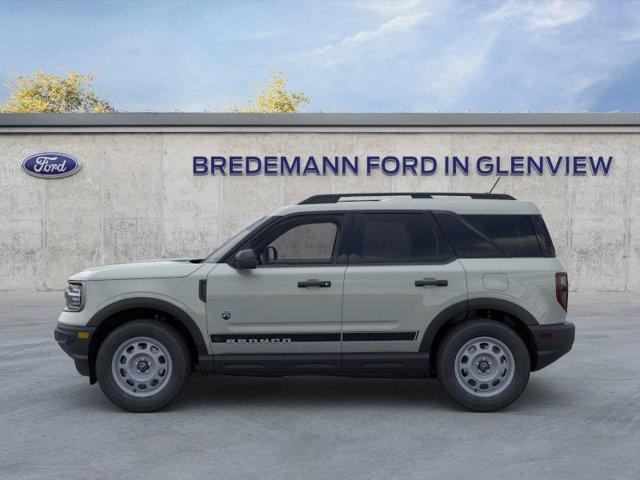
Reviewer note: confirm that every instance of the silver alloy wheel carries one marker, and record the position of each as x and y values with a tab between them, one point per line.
141	366
484	366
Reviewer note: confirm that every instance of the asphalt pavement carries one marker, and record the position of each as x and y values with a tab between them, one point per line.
578	419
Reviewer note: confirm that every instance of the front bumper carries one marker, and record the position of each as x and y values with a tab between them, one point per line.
75	343
552	342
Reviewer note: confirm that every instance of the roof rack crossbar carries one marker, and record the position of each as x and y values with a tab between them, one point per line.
335	197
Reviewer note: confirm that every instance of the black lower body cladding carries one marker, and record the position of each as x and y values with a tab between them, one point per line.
75	343
552	342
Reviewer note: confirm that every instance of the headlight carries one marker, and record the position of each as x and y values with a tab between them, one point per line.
73	297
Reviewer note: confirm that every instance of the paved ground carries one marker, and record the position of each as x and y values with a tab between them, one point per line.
579	418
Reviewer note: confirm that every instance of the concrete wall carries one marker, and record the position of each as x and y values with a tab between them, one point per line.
136	198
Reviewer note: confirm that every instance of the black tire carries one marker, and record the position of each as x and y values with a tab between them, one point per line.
456	339
177	349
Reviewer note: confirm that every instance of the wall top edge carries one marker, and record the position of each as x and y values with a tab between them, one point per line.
320	130
302	120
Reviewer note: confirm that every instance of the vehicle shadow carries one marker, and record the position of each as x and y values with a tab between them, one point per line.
311	392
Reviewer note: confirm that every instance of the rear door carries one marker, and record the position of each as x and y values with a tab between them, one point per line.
402	273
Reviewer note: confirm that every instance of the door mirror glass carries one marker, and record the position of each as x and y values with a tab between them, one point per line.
271	254
245	260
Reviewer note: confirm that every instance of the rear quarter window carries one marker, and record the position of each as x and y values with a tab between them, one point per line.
514	234
467	241
544	239
492	236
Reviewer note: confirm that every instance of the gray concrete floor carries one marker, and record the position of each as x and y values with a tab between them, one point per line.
579	418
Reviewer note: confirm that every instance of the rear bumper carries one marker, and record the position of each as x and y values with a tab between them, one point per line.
74	345
552	342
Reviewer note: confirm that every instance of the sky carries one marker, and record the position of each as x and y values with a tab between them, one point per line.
358	56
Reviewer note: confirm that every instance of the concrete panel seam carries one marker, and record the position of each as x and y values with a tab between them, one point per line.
627	240
219	240
103	254
569	200
162	159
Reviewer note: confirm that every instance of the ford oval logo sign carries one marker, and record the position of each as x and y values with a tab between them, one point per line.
51	165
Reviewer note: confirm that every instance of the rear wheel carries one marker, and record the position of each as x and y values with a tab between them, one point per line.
483	365
143	365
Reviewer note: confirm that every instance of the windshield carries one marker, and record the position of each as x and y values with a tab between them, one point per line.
220	250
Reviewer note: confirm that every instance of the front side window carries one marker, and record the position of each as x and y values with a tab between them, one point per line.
400	238
299	240
306	242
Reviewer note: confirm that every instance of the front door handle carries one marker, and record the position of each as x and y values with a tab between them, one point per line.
431	281
314	283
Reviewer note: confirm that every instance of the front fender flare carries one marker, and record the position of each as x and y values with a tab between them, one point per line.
157	304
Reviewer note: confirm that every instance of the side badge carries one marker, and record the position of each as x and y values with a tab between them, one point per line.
225	315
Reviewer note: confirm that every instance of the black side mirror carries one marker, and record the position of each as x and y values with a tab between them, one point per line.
245	260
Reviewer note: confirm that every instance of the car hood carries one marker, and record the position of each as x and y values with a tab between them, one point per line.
171	268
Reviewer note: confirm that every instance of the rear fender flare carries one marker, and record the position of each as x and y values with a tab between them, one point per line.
465	306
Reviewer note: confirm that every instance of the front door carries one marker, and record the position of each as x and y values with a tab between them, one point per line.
401	275
290	303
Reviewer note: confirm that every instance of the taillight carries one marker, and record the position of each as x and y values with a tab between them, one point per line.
562	289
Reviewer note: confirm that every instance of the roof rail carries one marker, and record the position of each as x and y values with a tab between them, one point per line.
335	197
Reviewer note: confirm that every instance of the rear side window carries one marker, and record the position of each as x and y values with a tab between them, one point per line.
392	238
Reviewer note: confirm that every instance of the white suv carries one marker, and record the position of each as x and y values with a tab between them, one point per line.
465	287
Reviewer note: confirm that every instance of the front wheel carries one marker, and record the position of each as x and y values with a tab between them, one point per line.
143	365
483	365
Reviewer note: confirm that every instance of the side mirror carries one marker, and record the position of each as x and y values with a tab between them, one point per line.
245	260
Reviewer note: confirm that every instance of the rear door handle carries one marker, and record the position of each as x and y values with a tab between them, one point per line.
314	283
431	281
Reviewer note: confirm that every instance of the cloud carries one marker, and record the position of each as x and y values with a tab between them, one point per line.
390	8
449	75
632	15
356	56
519	56
558	12
516	56
541	15
562	67
391	37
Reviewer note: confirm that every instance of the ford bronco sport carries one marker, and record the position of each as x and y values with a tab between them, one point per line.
465	287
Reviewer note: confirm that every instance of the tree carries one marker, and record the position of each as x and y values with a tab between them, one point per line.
274	98
42	92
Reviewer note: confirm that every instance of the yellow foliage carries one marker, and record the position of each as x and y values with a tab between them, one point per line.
42	92
274	98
